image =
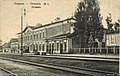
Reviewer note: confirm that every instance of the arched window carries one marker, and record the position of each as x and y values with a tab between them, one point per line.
39	47
43	46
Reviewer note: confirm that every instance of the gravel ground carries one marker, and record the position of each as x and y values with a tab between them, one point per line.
28	70
105	66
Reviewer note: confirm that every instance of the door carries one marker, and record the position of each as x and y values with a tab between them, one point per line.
61	48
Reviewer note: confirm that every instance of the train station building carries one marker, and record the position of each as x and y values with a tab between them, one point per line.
49	38
54	37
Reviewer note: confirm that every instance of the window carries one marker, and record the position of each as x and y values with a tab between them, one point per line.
43	47
36	36
43	34
57	46
39	35
65	46
28	37
39	47
25	38
52	46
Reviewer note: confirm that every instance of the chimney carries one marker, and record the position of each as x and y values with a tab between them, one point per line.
57	19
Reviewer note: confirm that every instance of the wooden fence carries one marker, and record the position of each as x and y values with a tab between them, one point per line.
94	50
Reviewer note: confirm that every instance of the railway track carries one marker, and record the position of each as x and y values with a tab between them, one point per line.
8	73
94	59
79	58
84	71
102	59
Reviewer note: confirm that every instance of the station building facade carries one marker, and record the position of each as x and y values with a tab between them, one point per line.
6	47
14	45
49	38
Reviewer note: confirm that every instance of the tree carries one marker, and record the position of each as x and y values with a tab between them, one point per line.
112	27
116	27
109	23
88	22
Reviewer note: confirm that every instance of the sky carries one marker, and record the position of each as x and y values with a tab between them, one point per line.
10	13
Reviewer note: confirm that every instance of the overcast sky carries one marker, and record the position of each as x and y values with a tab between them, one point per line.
10	13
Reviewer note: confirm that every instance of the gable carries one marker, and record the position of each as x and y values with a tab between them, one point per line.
27	29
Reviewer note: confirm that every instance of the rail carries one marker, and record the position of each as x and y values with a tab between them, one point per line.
9	72
85	71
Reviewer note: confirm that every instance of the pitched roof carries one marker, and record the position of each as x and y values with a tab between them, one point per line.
32	27
36	27
14	40
6	45
55	22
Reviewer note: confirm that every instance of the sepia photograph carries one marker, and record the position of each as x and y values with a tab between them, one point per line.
59	37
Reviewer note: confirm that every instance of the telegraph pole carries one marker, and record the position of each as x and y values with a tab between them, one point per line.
23	13
21	32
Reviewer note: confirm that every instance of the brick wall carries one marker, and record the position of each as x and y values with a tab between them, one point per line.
58	30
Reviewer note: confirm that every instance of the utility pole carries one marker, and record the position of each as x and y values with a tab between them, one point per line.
23	13
21	32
